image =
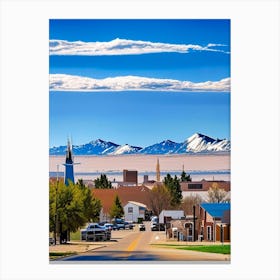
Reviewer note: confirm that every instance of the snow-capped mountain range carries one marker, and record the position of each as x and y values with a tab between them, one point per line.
197	143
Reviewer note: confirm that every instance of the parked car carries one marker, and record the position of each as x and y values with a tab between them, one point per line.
96	232
157	227
51	241
142	227
109	226
128	225
83	234
120	226
119	223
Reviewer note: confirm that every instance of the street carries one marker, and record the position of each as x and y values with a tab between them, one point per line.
135	245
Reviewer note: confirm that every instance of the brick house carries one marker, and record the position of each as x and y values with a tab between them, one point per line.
204	185
209	222
213	223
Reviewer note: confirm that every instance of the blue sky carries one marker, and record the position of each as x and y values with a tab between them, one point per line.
167	80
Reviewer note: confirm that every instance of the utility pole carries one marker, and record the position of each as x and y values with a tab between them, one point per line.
222	234
55	215
193	222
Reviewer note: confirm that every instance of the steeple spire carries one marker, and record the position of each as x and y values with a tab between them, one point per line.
69	164
158	171
69	157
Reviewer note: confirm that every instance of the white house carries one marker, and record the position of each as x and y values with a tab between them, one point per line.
172	214
134	210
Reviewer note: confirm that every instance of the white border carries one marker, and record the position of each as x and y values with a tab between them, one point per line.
254	127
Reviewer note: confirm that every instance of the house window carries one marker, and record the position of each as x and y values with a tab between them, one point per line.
195	186
209	233
130	209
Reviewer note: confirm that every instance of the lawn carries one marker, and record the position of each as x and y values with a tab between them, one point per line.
218	249
75	235
55	255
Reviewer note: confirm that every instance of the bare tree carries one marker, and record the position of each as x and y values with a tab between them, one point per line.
216	194
160	199
188	203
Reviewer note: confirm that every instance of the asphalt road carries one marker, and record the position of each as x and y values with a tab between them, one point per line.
135	245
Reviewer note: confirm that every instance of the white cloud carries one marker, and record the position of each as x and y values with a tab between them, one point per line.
62	82
123	47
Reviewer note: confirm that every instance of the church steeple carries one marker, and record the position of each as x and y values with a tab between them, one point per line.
69	159
158	171
69	165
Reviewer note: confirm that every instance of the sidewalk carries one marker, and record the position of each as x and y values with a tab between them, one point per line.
160	238
76	246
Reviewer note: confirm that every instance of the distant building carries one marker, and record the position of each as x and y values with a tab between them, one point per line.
202	187
148	183
139	194
130	177
134	210
170	214
89	183
146	179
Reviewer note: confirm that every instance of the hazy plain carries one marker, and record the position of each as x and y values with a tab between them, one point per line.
217	164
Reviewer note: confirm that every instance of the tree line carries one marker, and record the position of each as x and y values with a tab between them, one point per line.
169	195
72	206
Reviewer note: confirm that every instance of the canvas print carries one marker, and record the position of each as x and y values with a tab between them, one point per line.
139	140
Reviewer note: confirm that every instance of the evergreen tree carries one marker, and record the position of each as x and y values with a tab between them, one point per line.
102	182
117	209
173	185
81	183
70	207
185	177
92	206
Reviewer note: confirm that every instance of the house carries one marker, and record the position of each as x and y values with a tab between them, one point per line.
134	210
151	184
170	214
209	222
139	194
202	187
182	229
213	222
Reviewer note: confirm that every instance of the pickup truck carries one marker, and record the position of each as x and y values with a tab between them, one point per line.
95	232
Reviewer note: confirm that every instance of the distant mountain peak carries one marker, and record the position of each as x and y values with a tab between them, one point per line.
196	143
200	136
167	142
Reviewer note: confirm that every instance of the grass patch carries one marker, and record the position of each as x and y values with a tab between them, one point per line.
75	235
55	255
218	249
